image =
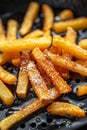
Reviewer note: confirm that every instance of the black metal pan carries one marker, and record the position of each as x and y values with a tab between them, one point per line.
41	120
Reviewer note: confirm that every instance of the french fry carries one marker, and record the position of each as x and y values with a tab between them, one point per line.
83	44
26	111
2	35
55	50
82	90
5	94
25	44
6	77
35	33
67	63
44	75
49	69
22	85
78	23
66	14
72	49
12	26
48	19
29	18
37	82
62	108
82	62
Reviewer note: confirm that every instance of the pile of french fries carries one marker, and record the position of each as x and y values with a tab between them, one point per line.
43	61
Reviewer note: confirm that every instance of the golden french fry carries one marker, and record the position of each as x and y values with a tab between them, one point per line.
22	85
29	18
83	44
66	14
37	82
2	35
48	19
25	44
44	75
6	77
62	108
27	110
49	69
55	50
5	94
4	57
73	49
47	32
82	90
82	62
78	23
16	61
66	63
12	26
35	33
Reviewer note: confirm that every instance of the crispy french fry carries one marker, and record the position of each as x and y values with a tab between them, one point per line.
6	77
66	63
48	19
79	23
12	26
82	62
29	18
2	35
49	69
22	85
35	33
83	44
55	50
73	49
44	75
37	82
66	14
62	108
26	111
5	94
82	90
25	44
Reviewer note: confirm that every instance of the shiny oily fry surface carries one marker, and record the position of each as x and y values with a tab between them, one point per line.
82	90
29	18
78	23
62	108
37	82
25	44
47	66
73	49
12	26
6	95
67	63
83	44
7	77
66	14
27	110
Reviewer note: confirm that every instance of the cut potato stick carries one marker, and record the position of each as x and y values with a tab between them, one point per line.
44	75
47	32
6	77
55	50
48	19
66	14
26	111
37	82
82	90
12	26
82	62
62	108
79	23
35	33
2	35
73	49
29	18
83	44
49	69
25	44
5	94
22	85
66	63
